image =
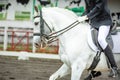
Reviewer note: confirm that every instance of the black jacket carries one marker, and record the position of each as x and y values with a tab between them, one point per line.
98	13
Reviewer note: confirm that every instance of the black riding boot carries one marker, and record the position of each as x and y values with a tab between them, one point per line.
93	74
110	57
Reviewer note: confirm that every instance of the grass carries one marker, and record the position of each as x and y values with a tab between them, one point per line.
22	15
2	17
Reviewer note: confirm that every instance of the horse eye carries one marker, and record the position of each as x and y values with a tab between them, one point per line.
36	23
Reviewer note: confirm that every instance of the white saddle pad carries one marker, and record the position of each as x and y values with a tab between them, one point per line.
91	43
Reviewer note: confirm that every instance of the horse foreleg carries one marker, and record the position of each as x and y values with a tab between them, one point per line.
77	69
62	71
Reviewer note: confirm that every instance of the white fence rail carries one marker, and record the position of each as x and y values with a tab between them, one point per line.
30	25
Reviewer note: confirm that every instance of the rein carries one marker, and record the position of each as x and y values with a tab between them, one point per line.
53	36
60	32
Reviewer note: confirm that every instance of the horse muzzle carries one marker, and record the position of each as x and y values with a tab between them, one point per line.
43	43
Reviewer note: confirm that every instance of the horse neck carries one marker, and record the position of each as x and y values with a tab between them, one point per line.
80	31
61	20
59	16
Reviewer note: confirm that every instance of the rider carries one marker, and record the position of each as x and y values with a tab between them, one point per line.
98	14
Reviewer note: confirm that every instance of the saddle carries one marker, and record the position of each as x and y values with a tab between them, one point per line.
93	40
94	35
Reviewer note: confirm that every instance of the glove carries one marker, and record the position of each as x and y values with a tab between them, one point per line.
82	18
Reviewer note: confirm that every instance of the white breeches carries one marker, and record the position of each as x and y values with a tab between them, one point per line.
102	34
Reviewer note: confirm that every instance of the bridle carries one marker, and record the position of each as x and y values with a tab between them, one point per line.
44	22
49	38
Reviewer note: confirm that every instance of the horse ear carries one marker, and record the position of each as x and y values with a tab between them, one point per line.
36	9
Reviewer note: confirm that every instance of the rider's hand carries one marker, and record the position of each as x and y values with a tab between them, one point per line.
82	18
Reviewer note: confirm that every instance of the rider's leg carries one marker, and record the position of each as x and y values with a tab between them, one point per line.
62	71
110	56
92	73
103	33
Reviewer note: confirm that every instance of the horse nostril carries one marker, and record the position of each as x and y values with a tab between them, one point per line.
36	23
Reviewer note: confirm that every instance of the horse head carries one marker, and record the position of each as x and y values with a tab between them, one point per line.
43	26
51	20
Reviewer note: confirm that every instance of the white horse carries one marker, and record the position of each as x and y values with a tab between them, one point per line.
74	50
